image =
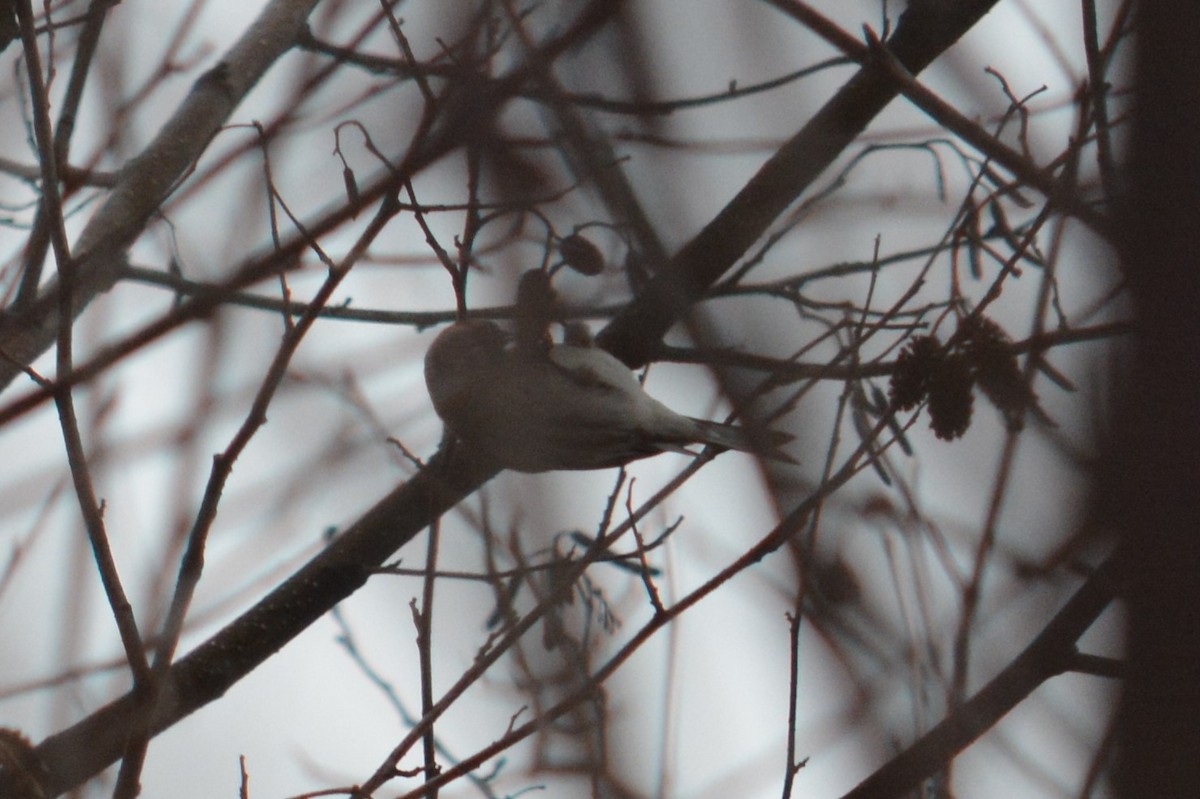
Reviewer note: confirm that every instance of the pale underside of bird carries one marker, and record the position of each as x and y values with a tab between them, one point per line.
564	407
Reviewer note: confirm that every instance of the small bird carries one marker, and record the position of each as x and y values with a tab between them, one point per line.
560	407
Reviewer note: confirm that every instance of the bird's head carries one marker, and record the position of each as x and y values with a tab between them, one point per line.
460	362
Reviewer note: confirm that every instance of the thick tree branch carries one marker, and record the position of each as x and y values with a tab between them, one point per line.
207	672
925	30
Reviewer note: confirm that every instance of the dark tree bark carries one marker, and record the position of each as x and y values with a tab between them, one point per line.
1156	469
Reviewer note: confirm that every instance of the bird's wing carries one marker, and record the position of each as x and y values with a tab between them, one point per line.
593	368
615	395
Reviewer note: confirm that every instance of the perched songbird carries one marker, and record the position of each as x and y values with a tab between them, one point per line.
562	407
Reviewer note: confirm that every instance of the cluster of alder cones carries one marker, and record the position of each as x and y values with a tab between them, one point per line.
980	354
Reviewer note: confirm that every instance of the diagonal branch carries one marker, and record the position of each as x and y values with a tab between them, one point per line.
925	30
1051	653
147	180
83	750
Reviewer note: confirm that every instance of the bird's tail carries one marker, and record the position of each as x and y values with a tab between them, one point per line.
765	444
